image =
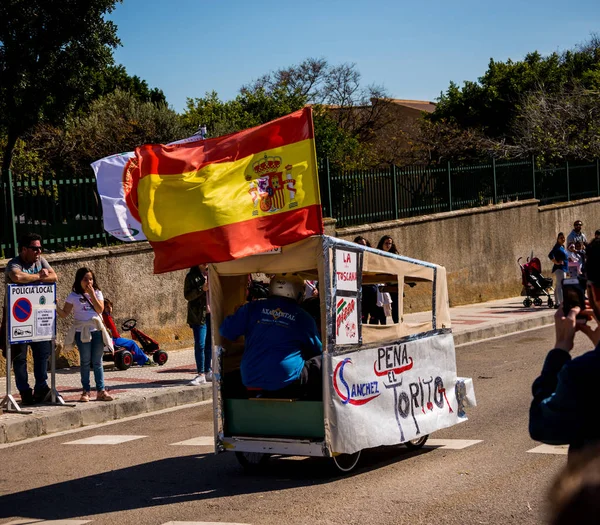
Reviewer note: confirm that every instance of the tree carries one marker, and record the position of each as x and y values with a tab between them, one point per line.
115	77
115	123
49	52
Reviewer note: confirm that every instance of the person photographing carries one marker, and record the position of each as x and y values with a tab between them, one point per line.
563	410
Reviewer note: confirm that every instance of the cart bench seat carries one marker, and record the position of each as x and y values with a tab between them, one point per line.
274	418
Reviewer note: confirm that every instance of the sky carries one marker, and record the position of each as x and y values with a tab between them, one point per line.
413	49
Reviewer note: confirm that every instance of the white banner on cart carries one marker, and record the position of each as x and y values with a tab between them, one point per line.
392	394
346	320
346	264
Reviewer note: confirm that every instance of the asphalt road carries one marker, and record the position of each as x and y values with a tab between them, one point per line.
152	481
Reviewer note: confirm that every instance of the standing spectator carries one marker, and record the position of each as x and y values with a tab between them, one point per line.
386	243
195	291
559	256
29	267
86	302
576	234
564	395
362	241
370	312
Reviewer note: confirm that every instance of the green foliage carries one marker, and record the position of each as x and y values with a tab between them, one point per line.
115	123
49	52
503	111
115	77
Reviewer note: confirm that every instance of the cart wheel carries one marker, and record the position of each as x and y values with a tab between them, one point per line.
538	301
252	461
527	302
160	357
346	462
128	325
123	359
550	302
416	444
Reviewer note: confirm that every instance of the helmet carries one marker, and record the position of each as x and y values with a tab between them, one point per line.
287	285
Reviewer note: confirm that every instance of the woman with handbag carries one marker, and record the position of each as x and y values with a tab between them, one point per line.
86	302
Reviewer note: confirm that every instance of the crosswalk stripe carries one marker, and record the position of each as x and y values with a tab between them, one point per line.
451	444
104	440
202	441
34	521
562	450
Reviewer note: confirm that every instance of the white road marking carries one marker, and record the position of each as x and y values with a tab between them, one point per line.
103	439
562	450
31	521
106	424
202	441
451	444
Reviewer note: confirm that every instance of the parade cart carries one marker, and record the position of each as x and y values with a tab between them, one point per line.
382	384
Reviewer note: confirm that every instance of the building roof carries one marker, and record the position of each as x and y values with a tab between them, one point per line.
421	105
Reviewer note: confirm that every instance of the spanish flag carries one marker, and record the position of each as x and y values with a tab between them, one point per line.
224	198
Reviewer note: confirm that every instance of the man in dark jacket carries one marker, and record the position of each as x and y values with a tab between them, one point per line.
564	409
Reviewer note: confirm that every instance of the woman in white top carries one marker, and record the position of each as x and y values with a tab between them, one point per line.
86	302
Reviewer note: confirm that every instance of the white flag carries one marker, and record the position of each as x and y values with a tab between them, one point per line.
118	220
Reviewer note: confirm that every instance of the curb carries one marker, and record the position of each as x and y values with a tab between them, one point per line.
59	420
498	330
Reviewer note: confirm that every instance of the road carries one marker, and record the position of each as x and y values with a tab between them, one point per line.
152	479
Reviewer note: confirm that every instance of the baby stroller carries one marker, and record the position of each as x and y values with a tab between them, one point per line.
124	359
535	284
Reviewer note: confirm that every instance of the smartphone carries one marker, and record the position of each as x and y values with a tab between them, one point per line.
573	295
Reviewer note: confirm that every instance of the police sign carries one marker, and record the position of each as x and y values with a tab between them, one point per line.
32	312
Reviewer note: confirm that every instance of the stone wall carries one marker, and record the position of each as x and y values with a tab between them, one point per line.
479	247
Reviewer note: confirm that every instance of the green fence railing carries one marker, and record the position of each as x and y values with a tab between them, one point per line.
65	212
391	192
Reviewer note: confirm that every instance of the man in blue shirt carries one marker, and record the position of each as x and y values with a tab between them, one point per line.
564	410
282	346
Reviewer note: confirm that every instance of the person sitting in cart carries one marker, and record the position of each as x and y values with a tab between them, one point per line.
139	357
282	351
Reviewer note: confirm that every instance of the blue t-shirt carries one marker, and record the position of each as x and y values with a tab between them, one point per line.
279	337
560	254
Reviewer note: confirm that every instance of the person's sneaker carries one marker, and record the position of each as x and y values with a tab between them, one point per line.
209	376
200	379
103	396
150	363
85	397
40	394
27	397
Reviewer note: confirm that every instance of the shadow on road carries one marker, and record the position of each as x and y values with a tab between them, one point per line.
181	479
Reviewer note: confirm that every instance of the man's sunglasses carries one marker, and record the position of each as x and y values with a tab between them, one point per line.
578	224
35	248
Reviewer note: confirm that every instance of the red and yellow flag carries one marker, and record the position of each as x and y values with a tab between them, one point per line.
220	199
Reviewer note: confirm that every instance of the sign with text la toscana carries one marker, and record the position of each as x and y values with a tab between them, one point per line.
31	312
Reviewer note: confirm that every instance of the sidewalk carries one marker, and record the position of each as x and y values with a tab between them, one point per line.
146	389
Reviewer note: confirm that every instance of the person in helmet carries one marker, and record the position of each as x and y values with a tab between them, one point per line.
282	347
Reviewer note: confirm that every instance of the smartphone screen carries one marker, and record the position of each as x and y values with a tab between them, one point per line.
573	295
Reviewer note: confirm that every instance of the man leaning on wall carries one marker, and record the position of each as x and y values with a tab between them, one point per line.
29	267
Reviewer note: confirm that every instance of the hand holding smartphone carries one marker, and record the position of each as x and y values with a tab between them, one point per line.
574	295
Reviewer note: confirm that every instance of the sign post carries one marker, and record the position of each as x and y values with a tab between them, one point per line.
31	316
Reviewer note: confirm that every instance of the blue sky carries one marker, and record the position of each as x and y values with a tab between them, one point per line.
414	49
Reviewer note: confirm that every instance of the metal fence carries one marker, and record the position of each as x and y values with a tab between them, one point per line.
65	212
392	192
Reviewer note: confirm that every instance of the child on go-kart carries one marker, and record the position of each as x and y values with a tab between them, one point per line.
139	357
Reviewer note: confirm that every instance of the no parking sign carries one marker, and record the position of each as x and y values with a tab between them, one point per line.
32	312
